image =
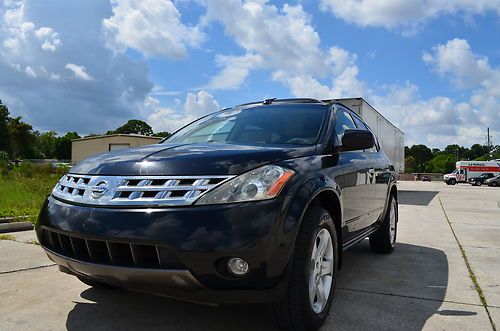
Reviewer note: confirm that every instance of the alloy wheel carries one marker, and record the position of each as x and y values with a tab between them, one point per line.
321	271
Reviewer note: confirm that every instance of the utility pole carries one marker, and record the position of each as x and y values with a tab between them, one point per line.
489	144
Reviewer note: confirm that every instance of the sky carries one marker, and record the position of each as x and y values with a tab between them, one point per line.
432	67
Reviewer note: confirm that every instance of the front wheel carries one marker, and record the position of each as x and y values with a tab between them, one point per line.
313	274
384	239
494	184
453	181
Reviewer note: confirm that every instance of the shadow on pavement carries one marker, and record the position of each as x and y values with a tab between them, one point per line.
124	310
374	292
416	198
400	291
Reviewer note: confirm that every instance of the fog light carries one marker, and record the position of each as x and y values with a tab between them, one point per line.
237	266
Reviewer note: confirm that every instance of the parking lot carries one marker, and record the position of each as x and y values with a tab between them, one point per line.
446	235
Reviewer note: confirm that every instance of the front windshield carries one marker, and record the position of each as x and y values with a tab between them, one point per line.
291	124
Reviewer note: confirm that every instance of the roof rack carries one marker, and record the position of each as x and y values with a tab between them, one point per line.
274	100
268	101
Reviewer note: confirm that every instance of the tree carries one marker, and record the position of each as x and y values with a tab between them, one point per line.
435	151
495	152
134	126
47	144
410	164
163	134
4	132
63	151
478	151
458	151
442	163
23	139
422	155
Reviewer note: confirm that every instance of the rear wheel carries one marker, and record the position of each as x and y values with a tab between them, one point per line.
313	275
384	239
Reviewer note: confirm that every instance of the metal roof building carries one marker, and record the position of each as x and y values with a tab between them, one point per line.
84	147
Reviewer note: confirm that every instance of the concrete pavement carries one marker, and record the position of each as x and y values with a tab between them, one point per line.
424	284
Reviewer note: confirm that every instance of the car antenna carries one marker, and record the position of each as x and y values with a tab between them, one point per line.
268	101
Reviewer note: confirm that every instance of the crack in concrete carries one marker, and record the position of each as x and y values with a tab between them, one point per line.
472	276
25	269
409	296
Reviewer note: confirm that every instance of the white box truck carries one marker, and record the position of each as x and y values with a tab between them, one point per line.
465	170
390	137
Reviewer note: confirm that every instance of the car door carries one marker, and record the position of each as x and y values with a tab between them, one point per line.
357	182
380	170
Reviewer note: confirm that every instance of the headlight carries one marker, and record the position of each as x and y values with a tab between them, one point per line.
259	184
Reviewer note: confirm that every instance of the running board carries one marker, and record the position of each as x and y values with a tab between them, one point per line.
360	237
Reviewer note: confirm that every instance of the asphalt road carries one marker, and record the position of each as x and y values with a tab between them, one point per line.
424	284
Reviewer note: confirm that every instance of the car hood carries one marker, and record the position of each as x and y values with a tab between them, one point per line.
188	159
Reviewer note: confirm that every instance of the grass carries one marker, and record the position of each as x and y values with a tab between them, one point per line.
23	193
7	237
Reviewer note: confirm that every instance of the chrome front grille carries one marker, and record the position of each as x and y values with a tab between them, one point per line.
135	190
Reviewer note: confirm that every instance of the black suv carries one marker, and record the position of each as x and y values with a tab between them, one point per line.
478	181
254	203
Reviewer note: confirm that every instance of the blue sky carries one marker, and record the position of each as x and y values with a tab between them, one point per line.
431	67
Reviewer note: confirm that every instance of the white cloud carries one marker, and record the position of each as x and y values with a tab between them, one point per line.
161	91
283	37
195	106
344	79
235	70
456	60
75	84
30	72
49	37
153	27
283	41
79	72
408	14
436	121
440	120
20	32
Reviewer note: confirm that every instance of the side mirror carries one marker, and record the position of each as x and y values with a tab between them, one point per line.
354	140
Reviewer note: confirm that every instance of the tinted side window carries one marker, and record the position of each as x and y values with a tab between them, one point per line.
343	121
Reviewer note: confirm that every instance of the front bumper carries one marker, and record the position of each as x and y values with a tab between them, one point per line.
178	284
177	252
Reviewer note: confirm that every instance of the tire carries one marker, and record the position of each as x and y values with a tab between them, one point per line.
494	184
453	181
479	183
384	239
94	283
296	310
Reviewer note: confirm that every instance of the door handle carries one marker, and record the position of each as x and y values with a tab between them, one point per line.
371	171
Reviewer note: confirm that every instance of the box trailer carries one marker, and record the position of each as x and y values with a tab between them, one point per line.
390	137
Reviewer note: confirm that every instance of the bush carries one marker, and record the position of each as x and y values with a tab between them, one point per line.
31	170
4	164
62	169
